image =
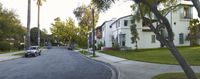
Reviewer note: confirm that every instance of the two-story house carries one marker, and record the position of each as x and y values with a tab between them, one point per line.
118	31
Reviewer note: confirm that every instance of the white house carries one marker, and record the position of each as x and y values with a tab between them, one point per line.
107	33
118	30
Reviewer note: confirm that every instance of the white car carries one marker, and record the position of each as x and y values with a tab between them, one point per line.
33	51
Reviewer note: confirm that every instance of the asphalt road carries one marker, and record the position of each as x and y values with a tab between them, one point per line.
57	63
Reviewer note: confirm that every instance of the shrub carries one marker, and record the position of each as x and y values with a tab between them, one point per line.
116	46
5	46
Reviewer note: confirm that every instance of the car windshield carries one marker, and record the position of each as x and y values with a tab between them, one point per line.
33	48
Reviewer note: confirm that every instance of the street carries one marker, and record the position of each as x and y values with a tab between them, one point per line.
56	63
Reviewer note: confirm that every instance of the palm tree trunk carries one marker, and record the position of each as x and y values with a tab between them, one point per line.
28	24
38	25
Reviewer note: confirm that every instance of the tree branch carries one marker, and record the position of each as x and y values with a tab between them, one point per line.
160	17
196	4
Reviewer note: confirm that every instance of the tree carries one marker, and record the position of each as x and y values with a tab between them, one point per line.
34	36
11	28
28	24
196	4
152	5
84	16
39	4
194	32
65	31
135	35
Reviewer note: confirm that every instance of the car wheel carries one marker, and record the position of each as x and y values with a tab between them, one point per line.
34	55
26	55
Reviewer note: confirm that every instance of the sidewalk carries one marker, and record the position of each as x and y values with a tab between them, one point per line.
129	69
9	56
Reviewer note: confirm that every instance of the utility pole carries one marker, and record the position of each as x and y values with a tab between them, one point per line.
93	34
28	24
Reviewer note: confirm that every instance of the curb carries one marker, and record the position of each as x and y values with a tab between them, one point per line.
11	59
114	71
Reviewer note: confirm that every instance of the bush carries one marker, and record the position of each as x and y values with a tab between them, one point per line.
5	46
116	46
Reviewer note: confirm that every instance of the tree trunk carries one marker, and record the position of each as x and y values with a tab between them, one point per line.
168	41
187	69
28	25
196	4
38	25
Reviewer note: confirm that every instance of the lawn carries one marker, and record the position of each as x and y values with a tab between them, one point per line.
161	55
3	52
84	52
19	54
173	76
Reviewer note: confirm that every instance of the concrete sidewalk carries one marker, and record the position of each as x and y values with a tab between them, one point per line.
129	69
9	56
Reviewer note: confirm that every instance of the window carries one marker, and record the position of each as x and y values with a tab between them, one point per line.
153	38
187	12
118	24
125	22
181	38
123	40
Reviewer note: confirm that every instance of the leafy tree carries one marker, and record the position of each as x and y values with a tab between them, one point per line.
11	28
39	4
65	31
84	16
194	32
135	35
152	6
34	36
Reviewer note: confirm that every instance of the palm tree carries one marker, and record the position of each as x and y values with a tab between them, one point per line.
28	24
39	3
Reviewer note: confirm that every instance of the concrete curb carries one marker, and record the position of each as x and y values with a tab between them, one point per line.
114	71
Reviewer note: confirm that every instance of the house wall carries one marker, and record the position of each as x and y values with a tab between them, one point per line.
179	25
145	37
106	34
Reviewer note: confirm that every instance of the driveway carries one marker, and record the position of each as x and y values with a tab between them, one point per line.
57	63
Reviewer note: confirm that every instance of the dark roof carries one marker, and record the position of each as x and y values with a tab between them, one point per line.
119	19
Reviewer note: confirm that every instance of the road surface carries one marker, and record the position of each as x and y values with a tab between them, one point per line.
56	63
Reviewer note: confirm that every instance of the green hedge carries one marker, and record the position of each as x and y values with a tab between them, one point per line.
4	46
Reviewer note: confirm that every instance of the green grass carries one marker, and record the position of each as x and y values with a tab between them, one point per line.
19	54
11	51
173	76
84	52
162	55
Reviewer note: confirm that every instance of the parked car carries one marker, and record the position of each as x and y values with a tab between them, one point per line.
33	51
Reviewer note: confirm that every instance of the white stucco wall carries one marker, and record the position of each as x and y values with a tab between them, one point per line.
179	25
106	32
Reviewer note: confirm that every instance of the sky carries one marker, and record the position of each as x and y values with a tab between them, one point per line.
63	9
